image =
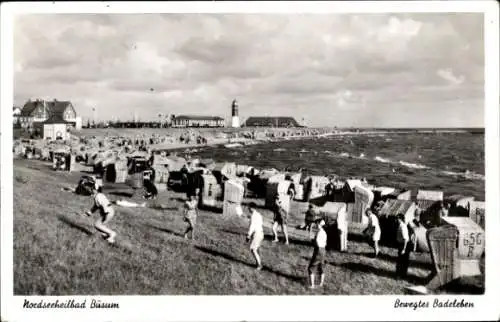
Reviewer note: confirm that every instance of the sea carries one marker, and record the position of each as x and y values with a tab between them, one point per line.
450	162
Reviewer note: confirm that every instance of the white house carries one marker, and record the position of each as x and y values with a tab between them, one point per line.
55	128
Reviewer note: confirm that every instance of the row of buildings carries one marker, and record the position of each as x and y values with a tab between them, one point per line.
216	121
36	113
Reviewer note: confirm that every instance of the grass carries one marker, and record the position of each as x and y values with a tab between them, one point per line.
57	252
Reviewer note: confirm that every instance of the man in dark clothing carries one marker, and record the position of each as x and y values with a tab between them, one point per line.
404	247
151	190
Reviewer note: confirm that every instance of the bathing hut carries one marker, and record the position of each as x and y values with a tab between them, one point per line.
476	212
456	251
330	210
210	193
363	199
242	170
430	195
207	163
348	190
233	197
258	184
388	217
459	205
315	187
117	171
63	161
403	194
161	173
174	163
136	167
274	188
384	193
228	169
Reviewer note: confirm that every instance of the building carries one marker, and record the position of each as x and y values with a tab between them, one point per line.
197	121
235	119
55	128
16	113
39	111
271	121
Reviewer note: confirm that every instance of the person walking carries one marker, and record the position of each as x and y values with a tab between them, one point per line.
342	227
280	219
190	215
106	212
318	256
373	230
255	233
404	247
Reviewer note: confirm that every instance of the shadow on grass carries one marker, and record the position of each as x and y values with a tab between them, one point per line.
465	285
363	268
165	230
389	258
270	238
234	259
75	226
122	194
258	206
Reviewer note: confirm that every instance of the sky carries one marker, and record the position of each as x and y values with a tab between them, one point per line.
365	70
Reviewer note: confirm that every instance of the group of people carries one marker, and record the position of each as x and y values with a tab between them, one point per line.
405	234
255	237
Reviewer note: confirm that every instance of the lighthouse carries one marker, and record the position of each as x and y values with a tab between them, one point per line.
235	121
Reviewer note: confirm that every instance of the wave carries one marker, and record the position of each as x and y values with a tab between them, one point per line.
279	150
380	159
303	151
471	175
344	154
413	165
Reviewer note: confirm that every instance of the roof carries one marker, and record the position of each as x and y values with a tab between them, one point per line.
56	119
353	183
393	207
199	118
58	107
457	198
430	195
385	190
462	223
54	107
271	121
29	107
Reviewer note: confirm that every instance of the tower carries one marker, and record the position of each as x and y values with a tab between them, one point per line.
235	121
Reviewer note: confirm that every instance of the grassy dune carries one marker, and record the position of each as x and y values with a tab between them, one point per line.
58	252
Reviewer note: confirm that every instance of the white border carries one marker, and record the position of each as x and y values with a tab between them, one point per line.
233	308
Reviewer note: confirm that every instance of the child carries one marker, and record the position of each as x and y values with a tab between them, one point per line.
280	219
190	216
318	256
310	217
107	212
342	226
373	230
255	233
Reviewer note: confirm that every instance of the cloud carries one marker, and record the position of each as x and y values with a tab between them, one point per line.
448	75
328	68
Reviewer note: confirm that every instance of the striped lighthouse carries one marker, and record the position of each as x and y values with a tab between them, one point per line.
235	120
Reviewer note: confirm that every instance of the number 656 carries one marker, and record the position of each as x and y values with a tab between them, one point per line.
472	239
